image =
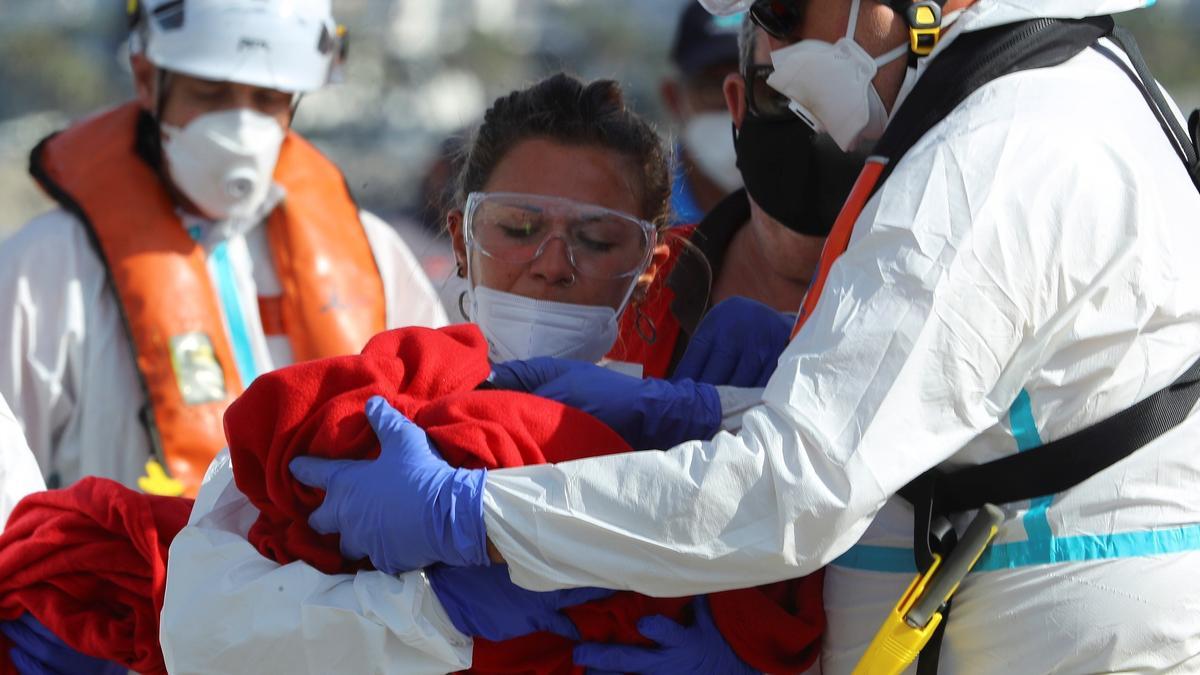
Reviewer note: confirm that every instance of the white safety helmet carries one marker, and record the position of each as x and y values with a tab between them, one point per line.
287	45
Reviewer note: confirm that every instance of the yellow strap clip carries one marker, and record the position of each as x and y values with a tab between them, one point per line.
924	27
157	482
920	611
897	644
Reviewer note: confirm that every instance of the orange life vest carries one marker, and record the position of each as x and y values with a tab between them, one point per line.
332	299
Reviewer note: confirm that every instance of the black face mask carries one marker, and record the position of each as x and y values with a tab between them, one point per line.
799	178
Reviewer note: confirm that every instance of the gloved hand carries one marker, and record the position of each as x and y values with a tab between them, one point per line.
738	343
527	376
681	650
484	602
646	413
37	651
404	510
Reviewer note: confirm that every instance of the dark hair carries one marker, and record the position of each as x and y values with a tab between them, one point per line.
562	108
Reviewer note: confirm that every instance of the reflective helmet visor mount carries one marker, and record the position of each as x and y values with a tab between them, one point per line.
287	45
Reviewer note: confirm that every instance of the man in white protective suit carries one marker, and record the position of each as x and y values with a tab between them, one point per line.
1026	270
19	474
199	242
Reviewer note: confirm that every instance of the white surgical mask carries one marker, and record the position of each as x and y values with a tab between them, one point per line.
223	161
708	138
830	86
517	327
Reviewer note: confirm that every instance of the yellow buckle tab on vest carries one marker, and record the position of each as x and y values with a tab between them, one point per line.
157	482
922	608
924	26
897	644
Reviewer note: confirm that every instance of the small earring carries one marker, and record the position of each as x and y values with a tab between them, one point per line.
570	281
644	325
460	271
461	309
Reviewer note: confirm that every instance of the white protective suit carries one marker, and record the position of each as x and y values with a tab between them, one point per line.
19	475
1027	271
66	366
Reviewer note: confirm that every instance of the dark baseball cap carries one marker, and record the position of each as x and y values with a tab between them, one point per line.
703	40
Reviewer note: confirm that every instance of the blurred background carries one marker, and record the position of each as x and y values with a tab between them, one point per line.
420	73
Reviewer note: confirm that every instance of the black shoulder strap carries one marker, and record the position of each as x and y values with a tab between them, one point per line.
1068	461
972	61
1186	141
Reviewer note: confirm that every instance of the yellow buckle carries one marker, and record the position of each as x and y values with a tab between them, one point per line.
157	482
897	644
924	27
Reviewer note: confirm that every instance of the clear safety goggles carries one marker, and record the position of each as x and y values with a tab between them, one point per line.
516	228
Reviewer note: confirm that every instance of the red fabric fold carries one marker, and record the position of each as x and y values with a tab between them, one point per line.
90	563
431	376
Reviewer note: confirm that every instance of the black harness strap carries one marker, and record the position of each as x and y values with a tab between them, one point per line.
1064	463
975	59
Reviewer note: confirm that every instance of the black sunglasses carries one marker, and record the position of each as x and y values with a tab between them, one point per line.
780	18
763	101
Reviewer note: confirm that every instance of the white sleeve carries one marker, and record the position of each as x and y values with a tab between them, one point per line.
228	609
19	475
48	279
411	299
925	333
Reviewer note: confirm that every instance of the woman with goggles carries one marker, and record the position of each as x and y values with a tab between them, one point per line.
557	228
549	274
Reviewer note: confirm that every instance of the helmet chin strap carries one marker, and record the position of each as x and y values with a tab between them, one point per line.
160	94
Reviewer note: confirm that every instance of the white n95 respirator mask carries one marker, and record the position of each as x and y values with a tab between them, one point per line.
223	161
708	138
830	86
517	327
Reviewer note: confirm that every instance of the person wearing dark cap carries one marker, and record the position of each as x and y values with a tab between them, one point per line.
704	51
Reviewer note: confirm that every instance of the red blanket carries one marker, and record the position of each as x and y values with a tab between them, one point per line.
431	376
90	562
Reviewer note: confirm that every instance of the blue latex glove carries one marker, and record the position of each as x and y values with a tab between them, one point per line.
681	650
405	509
737	344
37	651
484	602
527	376
646	413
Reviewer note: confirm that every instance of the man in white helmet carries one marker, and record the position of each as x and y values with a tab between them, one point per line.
199	241
1015	268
